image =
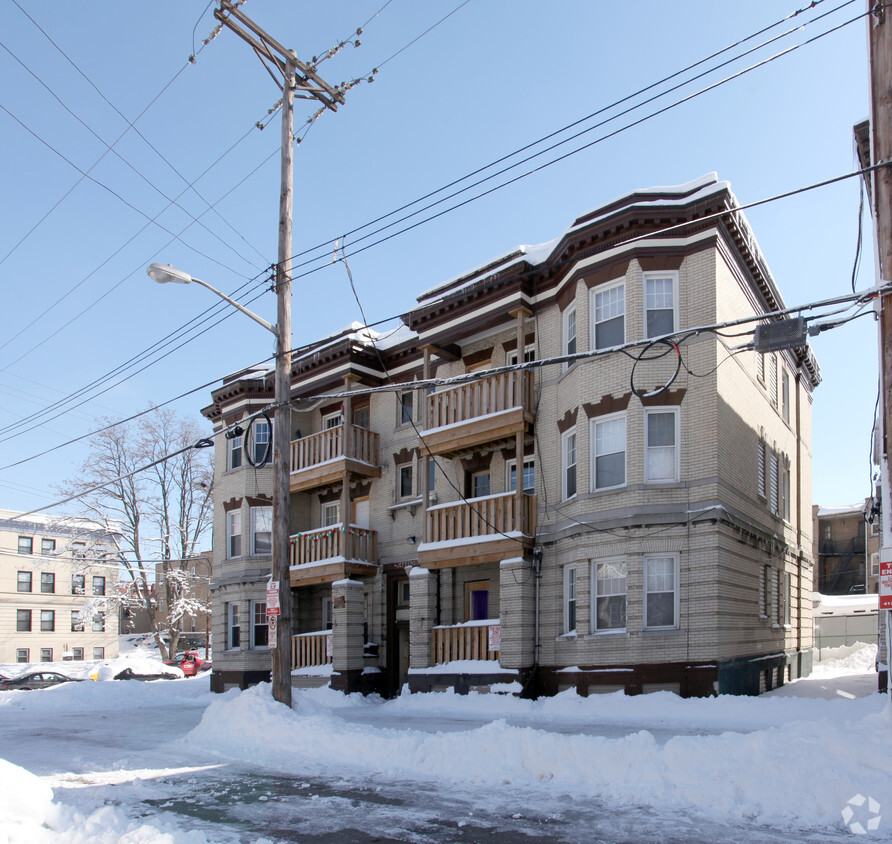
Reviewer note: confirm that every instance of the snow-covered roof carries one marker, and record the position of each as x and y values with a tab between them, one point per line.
851	510
825	605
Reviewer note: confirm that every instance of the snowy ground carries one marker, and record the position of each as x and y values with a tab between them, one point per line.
169	762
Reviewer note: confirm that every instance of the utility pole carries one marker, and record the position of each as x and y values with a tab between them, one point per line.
298	79
880	38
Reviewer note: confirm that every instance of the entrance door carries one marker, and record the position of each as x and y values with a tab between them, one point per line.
477	600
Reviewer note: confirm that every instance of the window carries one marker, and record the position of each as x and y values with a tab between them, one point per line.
23	581
785	492
234	451
786	595
259	628
779	591
98	585
332	420
785	396
77	622
569	321
22	655
260	442
404	480
47	582
98	653
406	408
568	463
761	476
609	453
234	629
774	484
23	621
327	613
569	599
529	475
661	591
760	367
609	598
47	546
659	304
79	550
234	533
661	445
331	513
875	564
261	531
477	600
431	474
46	654
529	353
47	621
98	622
361	416
77	584
766	591
26	545
480	485
77	654
772	385
609	321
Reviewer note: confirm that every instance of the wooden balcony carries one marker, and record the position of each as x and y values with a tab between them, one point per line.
471	640
332	553
474	531
310	649
486	411
325	458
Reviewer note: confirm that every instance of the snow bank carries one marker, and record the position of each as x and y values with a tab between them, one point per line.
839	748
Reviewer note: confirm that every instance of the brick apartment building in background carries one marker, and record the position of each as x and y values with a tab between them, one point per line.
58	589
600	524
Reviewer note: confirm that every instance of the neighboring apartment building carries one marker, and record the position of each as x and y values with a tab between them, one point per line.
195	624
598	524
846	549
58	588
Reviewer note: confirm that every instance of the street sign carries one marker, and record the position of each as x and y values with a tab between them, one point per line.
886	579
272	621
272	599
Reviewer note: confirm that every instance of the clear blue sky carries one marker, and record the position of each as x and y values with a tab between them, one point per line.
491	78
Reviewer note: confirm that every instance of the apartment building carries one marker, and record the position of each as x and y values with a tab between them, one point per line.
559	472
58	582
846	549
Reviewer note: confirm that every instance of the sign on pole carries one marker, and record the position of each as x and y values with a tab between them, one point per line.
272	621
272	599
886	578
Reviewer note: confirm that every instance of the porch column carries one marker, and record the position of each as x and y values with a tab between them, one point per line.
517	613
422	615
425	454
520	314
346	635
346	538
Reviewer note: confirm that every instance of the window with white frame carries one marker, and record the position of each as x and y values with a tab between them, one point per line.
787	593
234	452
406	407
332	420
233	627
875	565
260	442
609	452
22	655
529	353
774	483
570	599
661	591
404	486
660	303
779	591
327	613
234	534
785	491
761	476
259	625
98	584
608	596
772	384
765	583
760	367
661	435
568	463
608	311
261	531
785	396
98	653
331	513
529	475
46	654
77	654
569	328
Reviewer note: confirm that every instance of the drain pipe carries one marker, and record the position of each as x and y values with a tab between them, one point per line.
537	571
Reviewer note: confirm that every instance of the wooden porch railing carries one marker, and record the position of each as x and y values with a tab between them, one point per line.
310	649
330	444
485	516
463	641
478	398
352	543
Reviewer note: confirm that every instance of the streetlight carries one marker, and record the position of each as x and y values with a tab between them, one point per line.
281	673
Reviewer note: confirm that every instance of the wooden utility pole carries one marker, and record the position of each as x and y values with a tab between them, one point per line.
297	78
880	38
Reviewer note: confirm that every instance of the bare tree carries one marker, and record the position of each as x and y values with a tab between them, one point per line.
160	515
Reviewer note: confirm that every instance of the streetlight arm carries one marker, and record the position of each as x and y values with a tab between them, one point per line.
165	274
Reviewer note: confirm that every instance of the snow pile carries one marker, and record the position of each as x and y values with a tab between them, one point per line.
859	658
754	776
25	802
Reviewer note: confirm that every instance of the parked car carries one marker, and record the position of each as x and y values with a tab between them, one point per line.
130	674
190	663
36	680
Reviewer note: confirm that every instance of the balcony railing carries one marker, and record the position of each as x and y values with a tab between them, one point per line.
323	458
475	517
485	410
334	542
310	649
471	640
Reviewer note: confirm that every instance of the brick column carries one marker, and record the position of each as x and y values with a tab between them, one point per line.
422	615
346	634
517	611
